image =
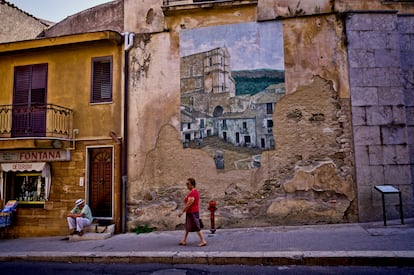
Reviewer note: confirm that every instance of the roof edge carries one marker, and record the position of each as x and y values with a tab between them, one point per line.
60	40
46	23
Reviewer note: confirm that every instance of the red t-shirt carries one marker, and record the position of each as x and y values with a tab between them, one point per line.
194	207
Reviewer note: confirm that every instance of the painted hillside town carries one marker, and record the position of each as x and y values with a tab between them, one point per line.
226	112
213	111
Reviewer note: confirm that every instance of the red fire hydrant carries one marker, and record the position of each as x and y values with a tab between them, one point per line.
212	208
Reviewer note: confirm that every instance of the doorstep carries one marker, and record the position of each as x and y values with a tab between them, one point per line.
95	232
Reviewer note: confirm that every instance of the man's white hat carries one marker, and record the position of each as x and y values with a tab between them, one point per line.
79	202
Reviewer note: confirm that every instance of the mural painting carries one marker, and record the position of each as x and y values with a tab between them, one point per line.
231	79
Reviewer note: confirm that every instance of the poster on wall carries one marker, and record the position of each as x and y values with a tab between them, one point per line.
231	77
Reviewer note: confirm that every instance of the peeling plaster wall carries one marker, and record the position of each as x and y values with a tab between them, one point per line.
270	9
143	16
310	172
158	164
315	46
308	178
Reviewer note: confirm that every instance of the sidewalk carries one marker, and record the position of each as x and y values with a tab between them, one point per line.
335	244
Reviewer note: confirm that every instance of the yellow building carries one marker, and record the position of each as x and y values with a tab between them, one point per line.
61	129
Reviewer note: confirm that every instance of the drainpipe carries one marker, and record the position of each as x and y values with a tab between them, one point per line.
128	43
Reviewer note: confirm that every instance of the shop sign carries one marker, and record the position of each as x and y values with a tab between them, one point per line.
46	155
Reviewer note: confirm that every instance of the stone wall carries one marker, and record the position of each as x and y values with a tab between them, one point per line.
381	88
405	27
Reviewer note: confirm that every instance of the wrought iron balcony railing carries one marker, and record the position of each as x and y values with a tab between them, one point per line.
35	121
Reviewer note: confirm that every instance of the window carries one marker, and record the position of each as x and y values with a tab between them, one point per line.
269	108
29	100
101	79
269	123
27	188
198	83
269	126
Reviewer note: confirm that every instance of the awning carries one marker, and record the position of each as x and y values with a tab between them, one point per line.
27	166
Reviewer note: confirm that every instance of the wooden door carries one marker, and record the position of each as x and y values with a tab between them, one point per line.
100	182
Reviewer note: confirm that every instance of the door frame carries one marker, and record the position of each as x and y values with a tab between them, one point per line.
87	174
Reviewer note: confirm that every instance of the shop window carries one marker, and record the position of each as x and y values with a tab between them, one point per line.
28	189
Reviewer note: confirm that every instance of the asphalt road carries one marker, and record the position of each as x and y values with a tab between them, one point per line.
46	268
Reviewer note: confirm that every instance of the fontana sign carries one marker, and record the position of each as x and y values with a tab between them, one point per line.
46	155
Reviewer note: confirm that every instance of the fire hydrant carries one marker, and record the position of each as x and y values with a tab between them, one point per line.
212	208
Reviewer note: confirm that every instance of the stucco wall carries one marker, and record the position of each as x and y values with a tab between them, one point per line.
107	16
65	65
69	78
17	25
308	178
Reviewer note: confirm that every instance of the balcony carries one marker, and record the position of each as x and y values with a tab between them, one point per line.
50	121
244	131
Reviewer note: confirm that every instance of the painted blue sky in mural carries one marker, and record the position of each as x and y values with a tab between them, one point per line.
251	45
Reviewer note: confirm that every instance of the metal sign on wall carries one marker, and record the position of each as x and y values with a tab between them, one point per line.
46	155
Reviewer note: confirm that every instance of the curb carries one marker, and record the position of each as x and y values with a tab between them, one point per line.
310	258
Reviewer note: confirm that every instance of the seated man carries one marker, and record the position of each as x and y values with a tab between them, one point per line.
79	217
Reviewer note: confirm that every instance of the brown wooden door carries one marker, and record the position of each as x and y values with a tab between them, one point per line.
100	181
